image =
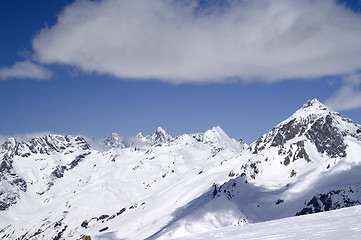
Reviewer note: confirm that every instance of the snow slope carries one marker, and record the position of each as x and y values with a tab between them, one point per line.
337	224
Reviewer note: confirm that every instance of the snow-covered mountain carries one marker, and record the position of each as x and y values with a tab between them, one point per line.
308	163
58	187
113	141
43	160
159	187
158	137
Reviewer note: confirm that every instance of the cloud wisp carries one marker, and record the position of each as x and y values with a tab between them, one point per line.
25	69
348	96
185	41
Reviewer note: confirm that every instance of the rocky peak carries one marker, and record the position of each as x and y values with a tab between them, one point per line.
313	122
9	144
311	107
216	134
219	140
43	145
57	143
313	103
158	137
113	141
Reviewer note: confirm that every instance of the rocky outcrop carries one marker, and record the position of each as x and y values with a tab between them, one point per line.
334	199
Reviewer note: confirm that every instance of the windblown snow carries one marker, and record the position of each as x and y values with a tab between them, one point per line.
160	187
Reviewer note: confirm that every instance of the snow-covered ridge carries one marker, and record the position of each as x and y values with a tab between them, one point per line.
113	141
158	137
43	145
59	153
160	187
66	173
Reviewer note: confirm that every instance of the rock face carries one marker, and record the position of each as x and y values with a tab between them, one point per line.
113	141
334	199
312	128
12	184
158	137
313	122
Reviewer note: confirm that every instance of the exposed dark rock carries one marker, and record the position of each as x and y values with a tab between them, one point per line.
84	224
58	172
134	206
301	152
77	160
286	132
215	151
121	211
286	161
39	231
215	191
103	229
102	217
58	224
60	233
10	196
327	138
331	200
82	143
231	174
293	173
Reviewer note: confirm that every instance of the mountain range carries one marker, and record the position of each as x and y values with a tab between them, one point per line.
162	187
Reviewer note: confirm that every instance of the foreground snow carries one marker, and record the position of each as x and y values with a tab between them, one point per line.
337	224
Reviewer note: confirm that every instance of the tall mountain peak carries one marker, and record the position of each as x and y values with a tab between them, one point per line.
311	107
9	144
316	123
219	139
158	137
313	103
113	141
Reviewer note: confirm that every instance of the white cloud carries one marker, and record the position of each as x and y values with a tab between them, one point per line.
348	96
24	69
251	39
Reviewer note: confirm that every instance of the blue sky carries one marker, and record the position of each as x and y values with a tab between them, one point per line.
111	66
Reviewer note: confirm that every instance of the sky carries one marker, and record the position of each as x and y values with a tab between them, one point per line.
97	67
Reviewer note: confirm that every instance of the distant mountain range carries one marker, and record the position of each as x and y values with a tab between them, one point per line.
161	187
